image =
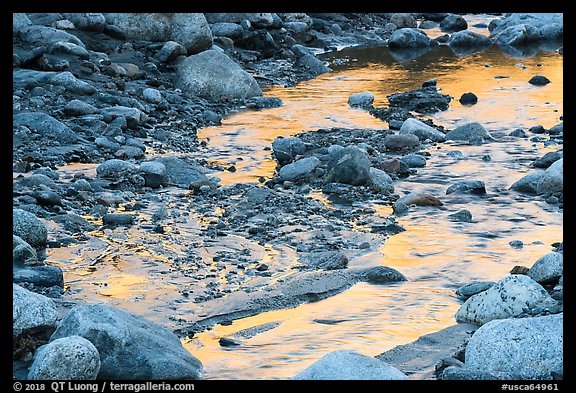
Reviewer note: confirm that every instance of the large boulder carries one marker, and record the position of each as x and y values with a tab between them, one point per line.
180	173
552	179
130	347
422	130
510	297
350	165
380	181
350	365
45	35
299	171
45	125
402	20
87	21
29	228
547	269
453	23
528	183
67	358
469	132
532	27
466	40
408	38
286	149
530	348
214	76
31	311
191	30
515	36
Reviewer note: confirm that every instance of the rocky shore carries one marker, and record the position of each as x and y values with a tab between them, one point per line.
106	109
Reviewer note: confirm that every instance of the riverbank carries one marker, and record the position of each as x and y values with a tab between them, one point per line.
105	164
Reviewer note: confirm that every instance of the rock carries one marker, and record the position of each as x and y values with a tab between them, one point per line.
31	311
29	228
516	36
214	76
350	165
538	129
468	99
467	39
510	297
226	29
427	24
547	269
349	365
519	133
228	342
67	358
19	21
470	132
401	141
414	160
542	26
528	183
548	159
467	186
79	108
154	173
530	348
180	173
539	80
72	84
192	31
408	38
474	288
552	180
453	23
454	373
257	19
23	254
286	149
45	36
300	171
44	276
305	59
425	100
422	130
151	95
361	100
380	181
107	144
325	260
115	168
461	215
87	21
402	20
558	129
133	117
45	125
117	219
130	347
419	199
170	51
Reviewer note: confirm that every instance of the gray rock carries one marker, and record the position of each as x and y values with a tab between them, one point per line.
87	21
520	133
422	130
79	108
470	132
474	288
258	19
115	168
130	347
408	38
38	180
516	36
226	29
74	223
106	144
299	171
192	31
414	160
454	373
213	75
380	181
426	100
325	260
154	173
467	186
557	129
152	95
461	215
170	51
428	24
402	20
117	219
453	23
361	100
286	149
542	26
510	297
350	365
45	125
67	358
419	199
468	39
350	165
23	254
46	36
180	173
31	311
401	141
528	183
552	180
72	84
45	276
305	59
134	116
19	21
28	227
547	269
531	348
83	185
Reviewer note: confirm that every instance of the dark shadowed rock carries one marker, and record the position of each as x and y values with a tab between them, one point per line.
286	149
467	39
45	125
548	159
539	80
425	100
474	288
467	186
453	23
44	276
408	38
154	173
402	20
350	165
468	99
117	219
23	254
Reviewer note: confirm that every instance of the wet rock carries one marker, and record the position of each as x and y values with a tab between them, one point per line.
468	99
466	39
516	36
19	21
181	173
67	358
31	311
401	141
46	197
519	133
408	38
422	130
528	183
45	125
428	24
45	276
470	132
380	181
350	165
461	216
29	228
130	347
419	199
154	173
74	223
300	171
538	129
547	269
350	365
541	26
213	75
402	20
516	244
539	80
115	168
361	100
170	51
474	288
558	129
286	149
414	160
23	253
548	159
425	100
508	298
531	348
467	186
453	23
117	219
305	59
325	260
228	342
552	180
